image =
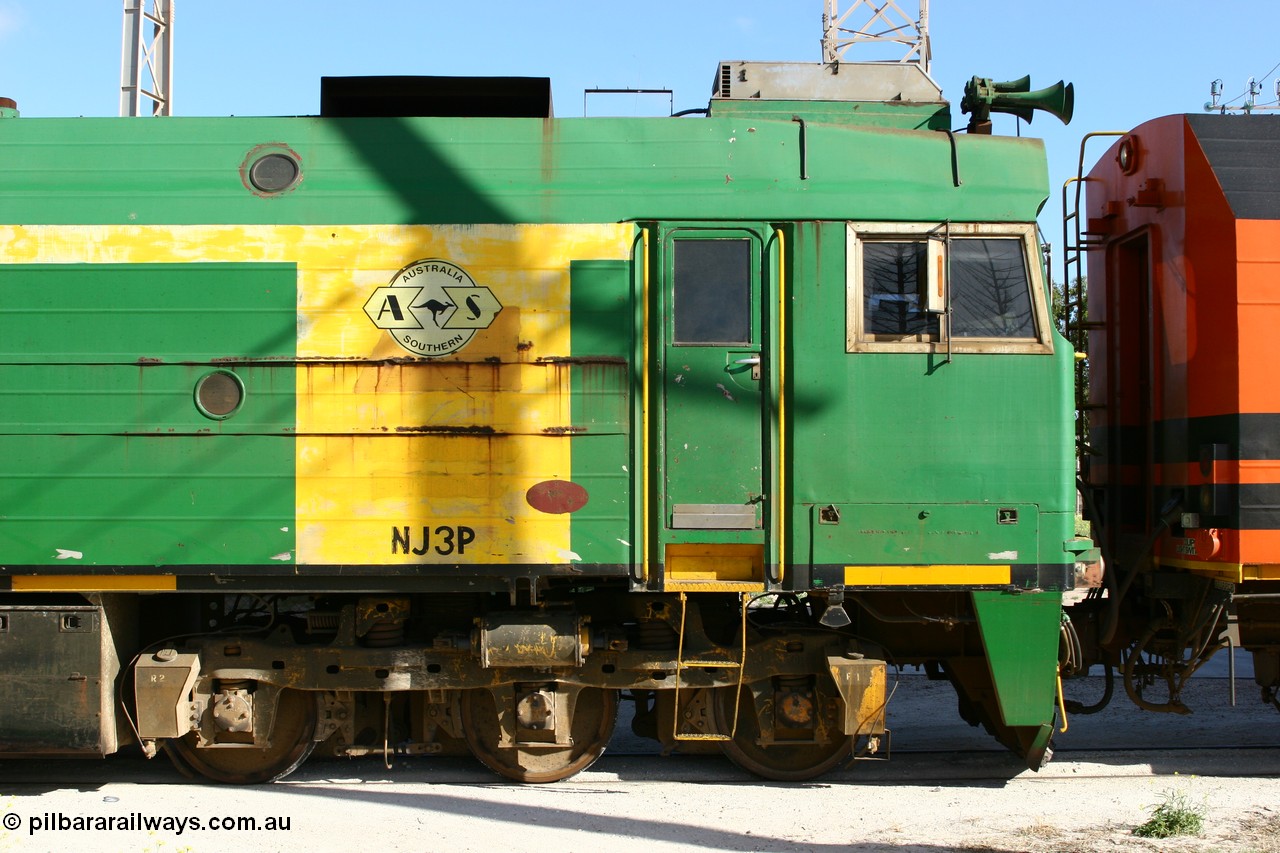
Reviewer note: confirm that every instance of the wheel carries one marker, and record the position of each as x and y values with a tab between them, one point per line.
1158	656
591	712
291	742
781	761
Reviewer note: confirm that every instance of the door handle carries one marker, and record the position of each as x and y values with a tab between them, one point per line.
741	364
751	361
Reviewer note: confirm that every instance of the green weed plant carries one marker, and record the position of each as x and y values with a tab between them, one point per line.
1177	815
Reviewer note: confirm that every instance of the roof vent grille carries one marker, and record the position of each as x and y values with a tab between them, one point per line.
726	80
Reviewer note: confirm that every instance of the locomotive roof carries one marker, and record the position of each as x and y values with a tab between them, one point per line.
1244	153
493	170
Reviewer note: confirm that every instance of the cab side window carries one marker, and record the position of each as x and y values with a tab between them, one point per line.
958	287
990	294
893	282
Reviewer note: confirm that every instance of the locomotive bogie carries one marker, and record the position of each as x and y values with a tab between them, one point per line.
526	689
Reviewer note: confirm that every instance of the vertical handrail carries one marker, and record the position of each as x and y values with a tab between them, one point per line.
1075	327
646	436
1072	297
946	284
743	602
781	501
675	717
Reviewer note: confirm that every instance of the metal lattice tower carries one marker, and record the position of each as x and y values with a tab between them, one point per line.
877	21
153	55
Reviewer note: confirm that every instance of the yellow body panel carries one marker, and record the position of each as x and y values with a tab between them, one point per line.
714	562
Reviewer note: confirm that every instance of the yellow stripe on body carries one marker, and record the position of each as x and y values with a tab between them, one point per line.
93	583
926	575
371	452
446	452
1227	571
1260	572
1224	570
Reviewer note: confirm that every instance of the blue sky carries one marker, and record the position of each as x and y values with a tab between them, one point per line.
1130	60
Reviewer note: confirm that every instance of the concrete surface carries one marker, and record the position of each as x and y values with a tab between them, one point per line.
945	786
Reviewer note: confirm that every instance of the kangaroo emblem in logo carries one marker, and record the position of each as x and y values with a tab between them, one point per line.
420	307
436	307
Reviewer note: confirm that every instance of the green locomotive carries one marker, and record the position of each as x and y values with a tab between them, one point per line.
434	421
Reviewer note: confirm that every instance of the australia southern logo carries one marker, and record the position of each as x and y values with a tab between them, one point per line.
432	307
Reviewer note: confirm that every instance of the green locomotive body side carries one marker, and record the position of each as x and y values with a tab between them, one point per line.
527	171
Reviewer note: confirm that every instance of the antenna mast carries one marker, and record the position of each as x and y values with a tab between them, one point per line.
882	21
154	55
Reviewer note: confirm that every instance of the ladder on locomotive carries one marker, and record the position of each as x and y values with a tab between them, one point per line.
706	663
1076	325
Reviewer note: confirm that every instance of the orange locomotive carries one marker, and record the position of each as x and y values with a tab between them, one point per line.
1181	474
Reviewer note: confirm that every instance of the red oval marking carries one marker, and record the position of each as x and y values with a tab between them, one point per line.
556	496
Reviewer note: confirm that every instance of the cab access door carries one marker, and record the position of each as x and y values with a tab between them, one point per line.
713	375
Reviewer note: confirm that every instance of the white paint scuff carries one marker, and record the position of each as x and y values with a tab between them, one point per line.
283	556
1003	555
64	554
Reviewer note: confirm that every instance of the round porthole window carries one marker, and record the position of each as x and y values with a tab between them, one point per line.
219	394
274	173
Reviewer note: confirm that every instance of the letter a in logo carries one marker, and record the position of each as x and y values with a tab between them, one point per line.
387	311
391	304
